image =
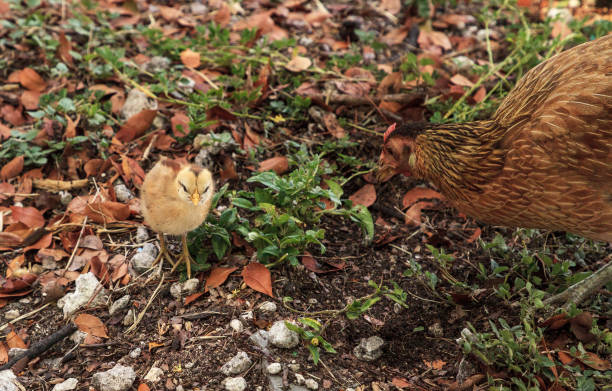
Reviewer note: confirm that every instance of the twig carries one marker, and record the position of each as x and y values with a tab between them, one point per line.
42	346
144	311
55	185
76	246
353	100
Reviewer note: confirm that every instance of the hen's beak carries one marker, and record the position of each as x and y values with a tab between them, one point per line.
195	198
385	172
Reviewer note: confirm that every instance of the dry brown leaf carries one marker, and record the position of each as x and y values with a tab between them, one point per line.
228	170
3	353
136	125
436	364
393	6
12	168
560	29
333	126
91	325
298	64
413	214
29	99
191	59
170	13
180	124
28	215
278	164
461	80
480	94
14	341
31	80
395	36
365	196
217	276
419	193
258	277
63	51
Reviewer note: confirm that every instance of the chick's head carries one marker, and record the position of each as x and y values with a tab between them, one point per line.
194	185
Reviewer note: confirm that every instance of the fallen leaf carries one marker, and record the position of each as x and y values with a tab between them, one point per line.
436	364
228	169
191	298
298	64
170	13
91	325
560	29
595	362
365	196
278	164
474	236
258	277
191	59
461	80
28	215
63	51
419	193
180	124
31	80
12	168
217	276
393	6
413	214
333	126
3	353
29	99
143	387
14	341
480	94
136	125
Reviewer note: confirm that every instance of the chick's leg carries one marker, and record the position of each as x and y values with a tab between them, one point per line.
583	289
184	257
163	251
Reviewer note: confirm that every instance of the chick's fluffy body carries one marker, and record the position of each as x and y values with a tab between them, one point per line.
544	160
166	203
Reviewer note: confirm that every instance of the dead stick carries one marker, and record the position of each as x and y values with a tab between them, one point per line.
42	346
367	101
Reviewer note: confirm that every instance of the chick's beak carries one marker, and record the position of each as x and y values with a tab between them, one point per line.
195	198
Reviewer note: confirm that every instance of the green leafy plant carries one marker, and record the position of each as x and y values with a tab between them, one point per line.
313	339
22	144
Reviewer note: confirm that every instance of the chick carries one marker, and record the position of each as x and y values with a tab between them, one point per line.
175	199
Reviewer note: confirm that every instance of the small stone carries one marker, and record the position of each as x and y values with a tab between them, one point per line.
66	385
11	314
234	383
236	325
436	329
246	316
144	258
190	286
157	64
237	364
176	290
118	305
463	63
128	320
186	84
118	378
78	337
280	336
8	381
65	197
369	349
135	353
311	384
198	8
275	368
564	14
299	379
295	367
122	193
86	286
268	306
260	339
154	375
136	102
142	235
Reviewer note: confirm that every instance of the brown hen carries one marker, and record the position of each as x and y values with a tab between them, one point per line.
544	160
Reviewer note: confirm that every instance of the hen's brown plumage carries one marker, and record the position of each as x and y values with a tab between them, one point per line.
544	160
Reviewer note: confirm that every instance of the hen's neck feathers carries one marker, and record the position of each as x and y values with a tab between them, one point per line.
460	157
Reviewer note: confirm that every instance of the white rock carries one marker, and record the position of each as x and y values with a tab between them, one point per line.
246	316
144	258
135	353
11	314
260	339
142	235
65	197
8	381
564	14
240	362
135	102
122	193
157	64
86	286
299	379
236	325
275	368
119	304
190	286
66	385
154	375
311	384
118	378
78	337
176	290
268	306
280	336
234	384
128	319
369	349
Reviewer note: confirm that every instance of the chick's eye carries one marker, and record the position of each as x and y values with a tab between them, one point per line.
206	189
184	188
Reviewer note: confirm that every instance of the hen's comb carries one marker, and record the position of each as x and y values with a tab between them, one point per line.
388	132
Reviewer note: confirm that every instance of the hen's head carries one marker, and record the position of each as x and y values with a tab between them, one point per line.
397	156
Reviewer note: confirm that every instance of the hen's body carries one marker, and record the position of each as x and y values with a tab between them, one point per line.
545	158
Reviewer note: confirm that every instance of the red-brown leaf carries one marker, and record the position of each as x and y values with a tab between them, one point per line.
32	80
258	277
365	196
419	193
217	276
180	124
14	341
28	215
278	164
91	325
136	125
12	168
63	51
191	59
